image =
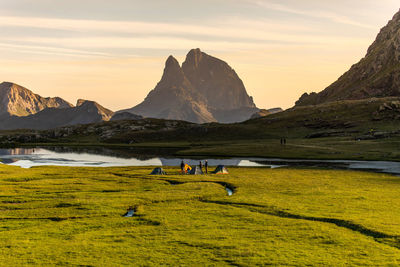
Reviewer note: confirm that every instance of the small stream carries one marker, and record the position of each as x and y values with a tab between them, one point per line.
229	191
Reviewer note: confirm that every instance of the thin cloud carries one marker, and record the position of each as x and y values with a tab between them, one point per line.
51	50
315	14
181	43
228	34
225	27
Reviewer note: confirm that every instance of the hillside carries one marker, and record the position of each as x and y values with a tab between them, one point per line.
350	118
204	89
376	75
265	112
352	129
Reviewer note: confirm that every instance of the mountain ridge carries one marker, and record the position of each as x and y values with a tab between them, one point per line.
85	112
375	75
16	100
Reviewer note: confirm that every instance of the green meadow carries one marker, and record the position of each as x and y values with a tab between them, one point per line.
73	216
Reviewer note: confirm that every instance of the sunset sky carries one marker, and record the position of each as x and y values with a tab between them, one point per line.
114	51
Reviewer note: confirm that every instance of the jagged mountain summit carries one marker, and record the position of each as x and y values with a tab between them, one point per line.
376	75
174	97
204	89
16	100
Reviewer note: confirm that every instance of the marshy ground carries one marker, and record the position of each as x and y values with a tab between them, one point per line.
73	216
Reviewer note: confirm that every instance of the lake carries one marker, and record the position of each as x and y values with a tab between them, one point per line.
103	157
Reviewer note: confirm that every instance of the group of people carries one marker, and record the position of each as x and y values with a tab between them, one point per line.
201	165
283	141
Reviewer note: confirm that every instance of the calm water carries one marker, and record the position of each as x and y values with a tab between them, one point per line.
101	157
27	158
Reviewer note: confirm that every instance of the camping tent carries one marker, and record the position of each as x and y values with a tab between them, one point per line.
187	168
220	170
196	171
158	171
129	213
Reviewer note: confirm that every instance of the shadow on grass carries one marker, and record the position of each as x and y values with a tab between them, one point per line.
391	240
227	186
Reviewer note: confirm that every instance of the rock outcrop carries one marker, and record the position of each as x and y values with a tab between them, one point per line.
204	89
16	100
376	75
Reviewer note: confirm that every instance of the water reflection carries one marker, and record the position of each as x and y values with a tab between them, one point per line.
93	157
106	157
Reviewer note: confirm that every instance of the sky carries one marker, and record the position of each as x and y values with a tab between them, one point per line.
114	52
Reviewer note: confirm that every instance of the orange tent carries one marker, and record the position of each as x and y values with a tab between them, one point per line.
187	168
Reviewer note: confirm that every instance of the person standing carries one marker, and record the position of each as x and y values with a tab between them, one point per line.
201	165
182	167
206	166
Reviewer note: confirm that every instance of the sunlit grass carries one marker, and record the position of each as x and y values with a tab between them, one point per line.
73	216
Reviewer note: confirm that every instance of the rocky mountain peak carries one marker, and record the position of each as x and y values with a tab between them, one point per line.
172	64
94	107
173	73
16	100
217	81
6	85
80	102
204	89
388	36
194	57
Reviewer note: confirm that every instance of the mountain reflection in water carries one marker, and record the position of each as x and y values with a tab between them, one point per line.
101	157
107	157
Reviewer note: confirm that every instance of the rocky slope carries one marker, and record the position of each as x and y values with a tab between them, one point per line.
376	75
204	89
84	113
16	100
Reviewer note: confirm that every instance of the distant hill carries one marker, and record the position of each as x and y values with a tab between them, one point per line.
84	113
265	112
376	75
204	89
376	118
16	100
125	116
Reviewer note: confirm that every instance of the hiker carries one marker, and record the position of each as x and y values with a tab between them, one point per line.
206	166
281	141
201	165
182	167
284	141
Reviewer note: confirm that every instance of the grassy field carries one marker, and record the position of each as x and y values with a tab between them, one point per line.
321	148
72	216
